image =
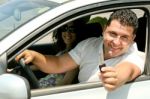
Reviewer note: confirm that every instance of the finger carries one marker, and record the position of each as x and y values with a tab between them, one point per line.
109	87
108	69
18	57
24	55
112	81
28	59
109	74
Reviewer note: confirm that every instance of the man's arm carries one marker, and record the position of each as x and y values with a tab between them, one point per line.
114	77
48	64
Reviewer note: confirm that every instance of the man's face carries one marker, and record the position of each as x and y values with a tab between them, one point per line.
117	39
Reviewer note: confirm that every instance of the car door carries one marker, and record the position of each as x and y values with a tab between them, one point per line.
94	89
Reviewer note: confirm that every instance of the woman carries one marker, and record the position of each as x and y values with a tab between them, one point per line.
66	38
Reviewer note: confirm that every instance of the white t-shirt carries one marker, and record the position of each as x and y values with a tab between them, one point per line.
87	55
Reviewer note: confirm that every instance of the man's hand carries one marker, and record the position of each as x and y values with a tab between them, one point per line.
114	77
27	55
109	78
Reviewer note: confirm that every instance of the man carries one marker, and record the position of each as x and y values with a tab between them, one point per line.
117	46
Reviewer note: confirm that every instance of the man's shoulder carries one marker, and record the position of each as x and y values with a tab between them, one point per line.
133	48
92	40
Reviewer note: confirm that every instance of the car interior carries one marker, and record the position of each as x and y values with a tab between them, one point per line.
91	29
141	33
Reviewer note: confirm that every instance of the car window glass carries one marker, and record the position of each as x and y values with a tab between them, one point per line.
14	13
46	40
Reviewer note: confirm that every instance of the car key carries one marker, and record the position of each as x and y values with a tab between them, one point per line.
101	64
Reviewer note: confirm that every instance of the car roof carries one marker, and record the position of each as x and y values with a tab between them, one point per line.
51	15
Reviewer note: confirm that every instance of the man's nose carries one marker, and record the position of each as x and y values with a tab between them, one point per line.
116	41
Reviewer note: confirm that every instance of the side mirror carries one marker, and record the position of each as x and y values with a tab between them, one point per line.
14	87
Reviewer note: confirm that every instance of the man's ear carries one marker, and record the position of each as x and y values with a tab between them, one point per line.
133	39
134	36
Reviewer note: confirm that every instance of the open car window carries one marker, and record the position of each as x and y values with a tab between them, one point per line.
46	44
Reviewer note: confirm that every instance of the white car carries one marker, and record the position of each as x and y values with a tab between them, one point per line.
29	24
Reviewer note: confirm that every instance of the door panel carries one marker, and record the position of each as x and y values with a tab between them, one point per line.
136	90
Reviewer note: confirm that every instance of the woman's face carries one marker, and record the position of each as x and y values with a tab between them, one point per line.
69	36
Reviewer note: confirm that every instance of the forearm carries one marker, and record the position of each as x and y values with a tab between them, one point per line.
54	64
123	75
127	72
47	64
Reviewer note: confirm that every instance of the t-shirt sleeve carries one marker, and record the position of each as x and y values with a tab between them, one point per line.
77	52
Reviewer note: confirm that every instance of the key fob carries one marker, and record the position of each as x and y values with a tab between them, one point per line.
100	67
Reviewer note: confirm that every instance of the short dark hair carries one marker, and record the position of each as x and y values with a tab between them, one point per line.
126	17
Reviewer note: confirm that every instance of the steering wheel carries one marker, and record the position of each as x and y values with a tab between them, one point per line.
30	75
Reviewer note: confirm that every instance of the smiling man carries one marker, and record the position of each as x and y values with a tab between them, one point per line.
117	47
121	50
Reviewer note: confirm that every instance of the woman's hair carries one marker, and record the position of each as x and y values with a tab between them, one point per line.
76	28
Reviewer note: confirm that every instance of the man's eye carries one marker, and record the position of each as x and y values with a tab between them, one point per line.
112	34
124	38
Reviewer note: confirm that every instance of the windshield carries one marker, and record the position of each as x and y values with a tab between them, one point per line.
14	13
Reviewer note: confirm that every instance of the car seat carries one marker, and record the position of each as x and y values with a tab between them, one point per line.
141	33
92	30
